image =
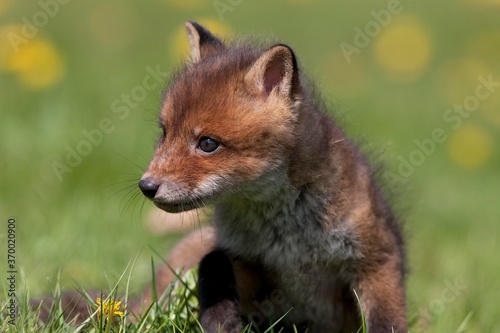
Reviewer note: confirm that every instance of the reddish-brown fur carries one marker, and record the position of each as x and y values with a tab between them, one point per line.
299	220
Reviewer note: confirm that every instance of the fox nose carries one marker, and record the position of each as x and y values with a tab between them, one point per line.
149	187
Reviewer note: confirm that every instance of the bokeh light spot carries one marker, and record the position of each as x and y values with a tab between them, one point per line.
179	44
37	64
403	49
470	147
458	78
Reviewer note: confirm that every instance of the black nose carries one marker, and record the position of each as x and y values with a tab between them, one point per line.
148	187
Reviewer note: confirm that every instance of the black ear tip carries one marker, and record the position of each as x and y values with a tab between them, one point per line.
292	53
193	23
202	31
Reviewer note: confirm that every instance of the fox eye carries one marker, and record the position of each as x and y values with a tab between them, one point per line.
163	128
207	144
163	131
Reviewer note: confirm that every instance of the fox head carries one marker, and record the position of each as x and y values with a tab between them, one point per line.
228	125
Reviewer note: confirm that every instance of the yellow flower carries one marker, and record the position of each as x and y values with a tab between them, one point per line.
110	308
37	64
403	50
471	147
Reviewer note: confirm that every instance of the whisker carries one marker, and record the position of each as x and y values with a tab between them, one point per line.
133	163
128	199
142	206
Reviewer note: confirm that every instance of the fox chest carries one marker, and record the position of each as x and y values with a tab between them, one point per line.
300	270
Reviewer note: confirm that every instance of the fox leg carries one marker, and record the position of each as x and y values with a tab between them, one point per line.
382	298
186	254
219	304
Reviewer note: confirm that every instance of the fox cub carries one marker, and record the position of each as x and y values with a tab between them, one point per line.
300	227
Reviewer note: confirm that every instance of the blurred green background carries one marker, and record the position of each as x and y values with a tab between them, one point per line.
72	83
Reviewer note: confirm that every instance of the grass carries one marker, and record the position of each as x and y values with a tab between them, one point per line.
87	225
173	311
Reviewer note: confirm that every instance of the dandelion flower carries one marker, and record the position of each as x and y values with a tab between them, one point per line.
110	308
37	64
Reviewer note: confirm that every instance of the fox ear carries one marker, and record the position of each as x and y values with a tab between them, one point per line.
202	42
275	70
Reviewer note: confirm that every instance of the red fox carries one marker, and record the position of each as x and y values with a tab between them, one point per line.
300	226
